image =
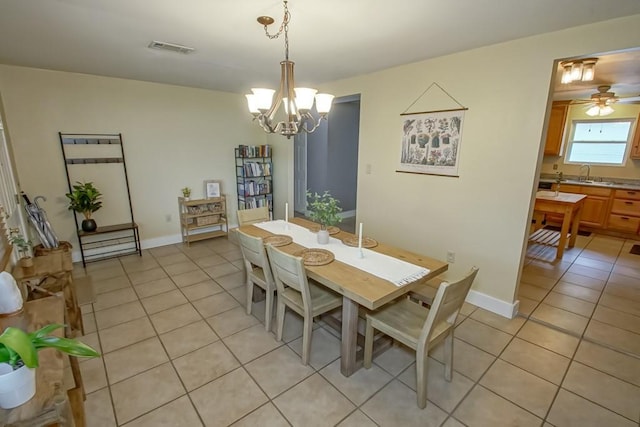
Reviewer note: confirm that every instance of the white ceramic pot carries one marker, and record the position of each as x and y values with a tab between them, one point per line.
16	387
323	237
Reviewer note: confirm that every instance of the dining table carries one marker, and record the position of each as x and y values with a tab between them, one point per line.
359	288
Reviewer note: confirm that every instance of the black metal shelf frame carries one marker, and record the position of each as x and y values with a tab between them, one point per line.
102	239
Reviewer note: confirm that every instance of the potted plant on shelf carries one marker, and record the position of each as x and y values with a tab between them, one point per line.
23	247
325	210
19	358
186	193
85	199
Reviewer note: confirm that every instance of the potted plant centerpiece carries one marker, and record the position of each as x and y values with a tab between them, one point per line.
19	358
23	247
325	210
85	199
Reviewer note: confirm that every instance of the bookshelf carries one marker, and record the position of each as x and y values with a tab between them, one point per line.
254	177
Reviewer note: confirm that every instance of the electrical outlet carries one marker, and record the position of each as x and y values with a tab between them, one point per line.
367	169
167	217
451	257
555	166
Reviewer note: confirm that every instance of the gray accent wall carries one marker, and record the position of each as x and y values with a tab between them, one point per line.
332	153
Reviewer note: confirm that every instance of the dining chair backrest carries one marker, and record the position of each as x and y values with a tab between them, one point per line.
252	216
253	253
288	270
446	306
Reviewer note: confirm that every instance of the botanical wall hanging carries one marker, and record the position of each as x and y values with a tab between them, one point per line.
431	140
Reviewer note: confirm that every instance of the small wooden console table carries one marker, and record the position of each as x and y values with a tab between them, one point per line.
567	204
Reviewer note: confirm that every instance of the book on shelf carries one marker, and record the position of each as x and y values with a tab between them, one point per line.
254	150
255	169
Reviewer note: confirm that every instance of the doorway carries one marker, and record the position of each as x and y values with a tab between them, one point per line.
327	160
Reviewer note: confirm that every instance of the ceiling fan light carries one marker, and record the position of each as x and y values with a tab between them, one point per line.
593	111
304	98
263	98
323	103
606	110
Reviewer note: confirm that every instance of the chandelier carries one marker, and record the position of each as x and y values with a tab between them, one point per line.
578	70
297	101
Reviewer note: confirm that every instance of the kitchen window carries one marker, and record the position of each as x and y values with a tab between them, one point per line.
602	142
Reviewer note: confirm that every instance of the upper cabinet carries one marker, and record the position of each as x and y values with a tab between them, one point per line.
635	144
555	132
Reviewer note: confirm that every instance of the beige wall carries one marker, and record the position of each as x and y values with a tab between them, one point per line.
483	216
173	137
631	169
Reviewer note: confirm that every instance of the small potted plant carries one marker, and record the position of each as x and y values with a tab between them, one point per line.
325	210
186	193
85	199
23	247
19	357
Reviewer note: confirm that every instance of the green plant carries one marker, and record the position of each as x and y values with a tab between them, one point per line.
323	209
186	192
84	198
22	245
18	347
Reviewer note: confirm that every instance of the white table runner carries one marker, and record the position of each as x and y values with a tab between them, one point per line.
386	267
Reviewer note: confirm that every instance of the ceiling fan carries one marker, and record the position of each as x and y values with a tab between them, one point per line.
600	102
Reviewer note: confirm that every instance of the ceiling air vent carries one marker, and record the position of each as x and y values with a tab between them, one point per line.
172	47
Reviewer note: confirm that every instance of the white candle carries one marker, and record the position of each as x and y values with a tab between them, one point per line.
286	212
360	237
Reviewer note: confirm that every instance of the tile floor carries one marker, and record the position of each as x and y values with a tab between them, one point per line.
179	350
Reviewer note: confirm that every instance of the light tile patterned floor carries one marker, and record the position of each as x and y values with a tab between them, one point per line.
179	350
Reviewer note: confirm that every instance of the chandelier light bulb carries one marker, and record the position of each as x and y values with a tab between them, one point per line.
304	98
566	74
263	98
323	103
253	104
576	71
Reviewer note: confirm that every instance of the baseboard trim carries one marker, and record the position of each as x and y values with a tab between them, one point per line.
144	244
494	305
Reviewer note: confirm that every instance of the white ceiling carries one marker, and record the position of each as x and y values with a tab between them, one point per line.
330	39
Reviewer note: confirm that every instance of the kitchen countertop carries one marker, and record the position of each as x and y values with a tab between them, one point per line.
626	184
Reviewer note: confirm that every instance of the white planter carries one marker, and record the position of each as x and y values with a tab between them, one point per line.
323	237
16	387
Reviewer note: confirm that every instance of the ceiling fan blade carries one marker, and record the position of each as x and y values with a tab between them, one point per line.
629	99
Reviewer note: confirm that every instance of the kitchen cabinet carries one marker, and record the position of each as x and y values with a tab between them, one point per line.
595	210
635	144
625	211
555	130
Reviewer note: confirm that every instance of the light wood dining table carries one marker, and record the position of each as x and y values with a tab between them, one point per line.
357	287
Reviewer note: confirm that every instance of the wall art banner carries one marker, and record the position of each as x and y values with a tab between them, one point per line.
431	142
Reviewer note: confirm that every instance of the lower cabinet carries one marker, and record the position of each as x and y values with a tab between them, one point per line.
625	211
595	211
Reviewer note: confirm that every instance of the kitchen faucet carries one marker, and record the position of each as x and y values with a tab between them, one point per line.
588	172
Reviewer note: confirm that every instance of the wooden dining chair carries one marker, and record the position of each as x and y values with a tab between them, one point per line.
258	272
421	328
251	216
300	294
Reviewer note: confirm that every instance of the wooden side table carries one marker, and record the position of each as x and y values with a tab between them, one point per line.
54	273
50	405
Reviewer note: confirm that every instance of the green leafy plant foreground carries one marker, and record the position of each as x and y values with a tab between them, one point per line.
17	345
323	209
23	246
84	198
